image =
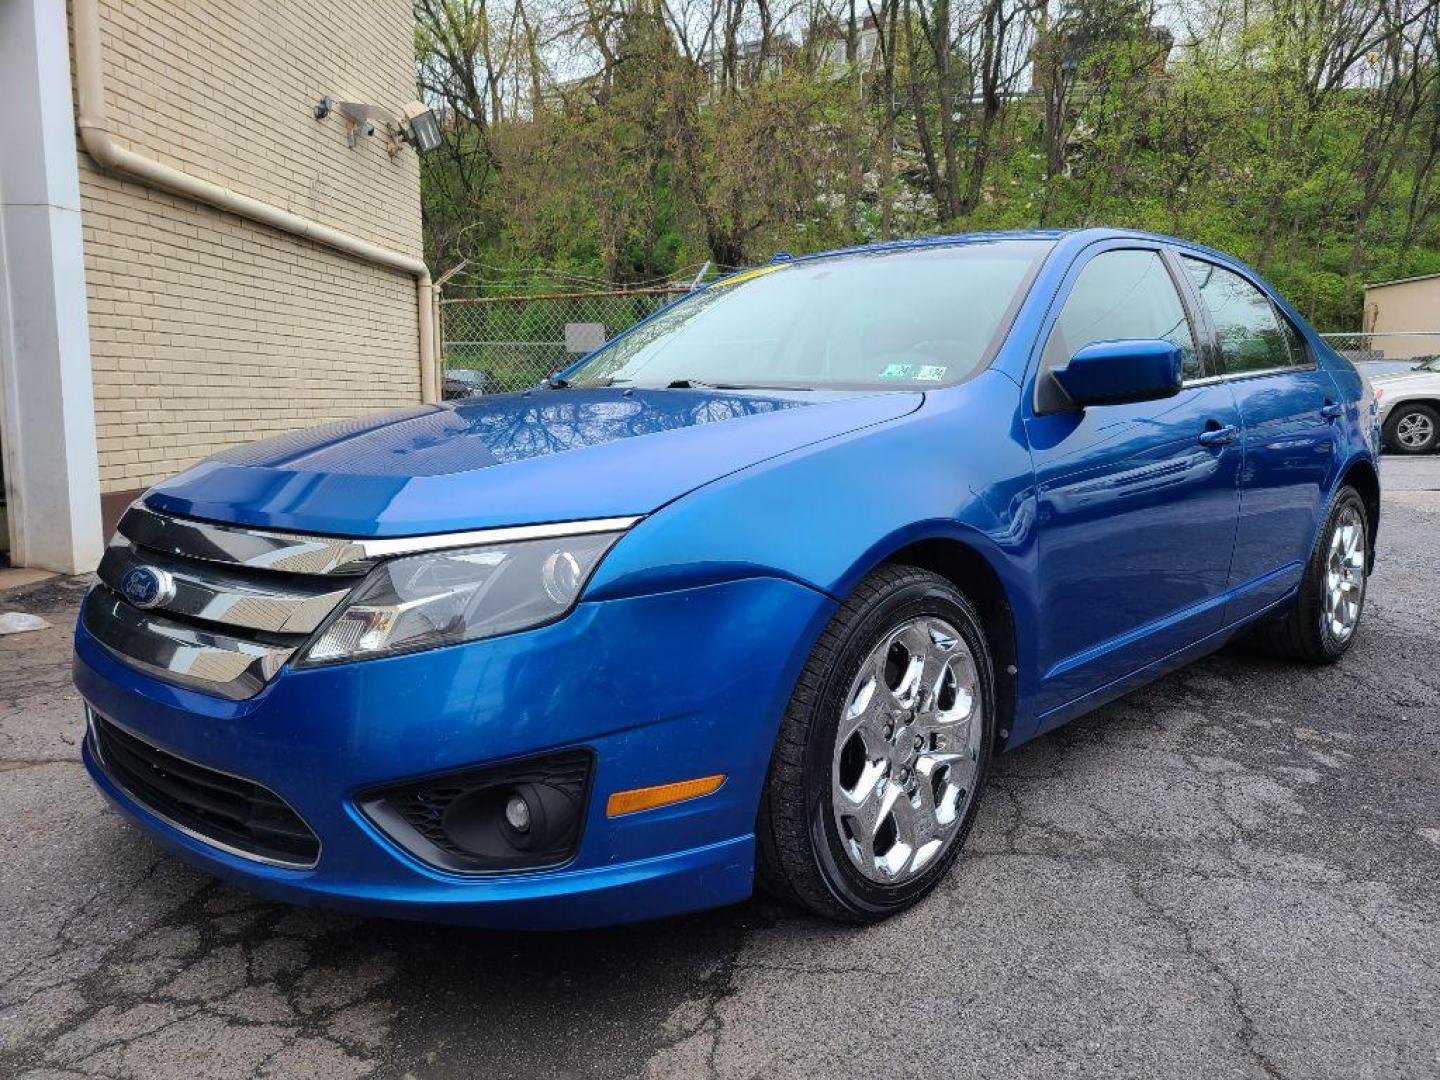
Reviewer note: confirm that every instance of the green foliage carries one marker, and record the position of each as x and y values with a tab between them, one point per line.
1252	138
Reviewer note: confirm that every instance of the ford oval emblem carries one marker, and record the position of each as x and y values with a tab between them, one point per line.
146	586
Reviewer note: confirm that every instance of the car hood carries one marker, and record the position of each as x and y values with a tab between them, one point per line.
1406	378
512	459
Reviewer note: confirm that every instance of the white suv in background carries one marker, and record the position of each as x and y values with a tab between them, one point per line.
1410	408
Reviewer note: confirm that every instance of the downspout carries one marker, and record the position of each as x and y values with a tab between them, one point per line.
95	137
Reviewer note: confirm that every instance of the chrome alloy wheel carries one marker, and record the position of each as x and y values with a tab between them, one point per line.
907	751
1344	576
1415	430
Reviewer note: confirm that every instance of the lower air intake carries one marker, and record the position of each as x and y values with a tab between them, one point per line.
237	815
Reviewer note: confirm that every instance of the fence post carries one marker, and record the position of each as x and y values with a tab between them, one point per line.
440	362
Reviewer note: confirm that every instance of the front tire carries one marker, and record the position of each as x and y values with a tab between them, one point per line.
883	752
1323	621
1413	429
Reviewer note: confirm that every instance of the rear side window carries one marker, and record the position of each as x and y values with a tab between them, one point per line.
1252	336
1121	295
1299	351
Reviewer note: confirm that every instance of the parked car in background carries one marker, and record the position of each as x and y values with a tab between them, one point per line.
1375	369
1410	408
466	382
755	591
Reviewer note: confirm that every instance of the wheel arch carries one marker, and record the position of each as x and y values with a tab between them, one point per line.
964	566
1433	403
1362	475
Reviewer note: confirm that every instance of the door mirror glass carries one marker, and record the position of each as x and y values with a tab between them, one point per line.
1117	372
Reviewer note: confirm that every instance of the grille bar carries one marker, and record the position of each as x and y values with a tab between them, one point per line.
228	812
243	600
260	549
218	663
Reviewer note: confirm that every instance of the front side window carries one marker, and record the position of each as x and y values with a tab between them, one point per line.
1121	295
1251	336
911	318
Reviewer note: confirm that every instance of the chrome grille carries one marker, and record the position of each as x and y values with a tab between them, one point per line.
240	601
274	604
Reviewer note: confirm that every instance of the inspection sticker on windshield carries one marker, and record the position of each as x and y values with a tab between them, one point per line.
898	371
931	373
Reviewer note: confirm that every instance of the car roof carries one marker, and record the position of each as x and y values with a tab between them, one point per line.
1084	237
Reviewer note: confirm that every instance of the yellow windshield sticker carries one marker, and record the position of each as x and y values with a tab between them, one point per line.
748	275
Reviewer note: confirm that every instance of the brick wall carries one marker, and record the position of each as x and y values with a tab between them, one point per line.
207	329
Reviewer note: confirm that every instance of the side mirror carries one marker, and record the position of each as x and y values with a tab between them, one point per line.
1119	372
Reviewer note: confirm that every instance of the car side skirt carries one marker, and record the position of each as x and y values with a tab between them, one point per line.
1118	688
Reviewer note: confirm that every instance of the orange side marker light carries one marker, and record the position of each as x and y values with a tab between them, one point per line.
648	798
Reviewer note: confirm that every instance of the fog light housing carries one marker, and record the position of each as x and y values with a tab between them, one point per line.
517	813
524	815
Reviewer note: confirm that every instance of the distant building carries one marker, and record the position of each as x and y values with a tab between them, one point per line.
1067	46
748	63
830	44
1400	311
867	41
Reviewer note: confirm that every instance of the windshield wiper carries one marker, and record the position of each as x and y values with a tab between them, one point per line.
701	384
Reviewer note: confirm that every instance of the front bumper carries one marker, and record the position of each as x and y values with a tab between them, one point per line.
662	688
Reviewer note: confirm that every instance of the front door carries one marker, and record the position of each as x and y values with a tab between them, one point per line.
1136	503
1288	412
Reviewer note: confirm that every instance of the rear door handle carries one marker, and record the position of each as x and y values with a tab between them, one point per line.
1331	410
1219	436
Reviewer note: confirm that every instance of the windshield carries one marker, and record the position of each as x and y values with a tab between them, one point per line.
1430	363
910	318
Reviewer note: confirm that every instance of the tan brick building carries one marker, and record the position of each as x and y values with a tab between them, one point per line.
242	269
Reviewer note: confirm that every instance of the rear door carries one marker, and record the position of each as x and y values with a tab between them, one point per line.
1289	410
1136	503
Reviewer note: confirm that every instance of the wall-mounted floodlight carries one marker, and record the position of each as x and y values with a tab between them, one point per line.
416	124
421	128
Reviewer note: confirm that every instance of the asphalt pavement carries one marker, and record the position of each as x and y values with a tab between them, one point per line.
1232	873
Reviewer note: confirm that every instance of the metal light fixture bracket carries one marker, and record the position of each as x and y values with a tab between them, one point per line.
416	125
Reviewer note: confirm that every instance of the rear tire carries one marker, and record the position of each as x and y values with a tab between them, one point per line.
1324	619
1413	429
883	751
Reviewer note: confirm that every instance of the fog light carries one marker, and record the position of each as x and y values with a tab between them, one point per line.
517	814
514	815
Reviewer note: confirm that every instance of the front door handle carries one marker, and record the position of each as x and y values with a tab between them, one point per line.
1331	410
1219	436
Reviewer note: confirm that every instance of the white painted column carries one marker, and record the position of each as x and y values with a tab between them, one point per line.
51	465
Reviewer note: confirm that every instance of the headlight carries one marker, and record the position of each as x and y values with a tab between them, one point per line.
445	597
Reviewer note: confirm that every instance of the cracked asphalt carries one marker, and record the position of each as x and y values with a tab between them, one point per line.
1231	873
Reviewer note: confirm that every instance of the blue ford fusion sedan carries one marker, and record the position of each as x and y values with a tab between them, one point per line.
755	592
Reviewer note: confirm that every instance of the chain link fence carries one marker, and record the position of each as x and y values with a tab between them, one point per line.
495	344
1397	351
